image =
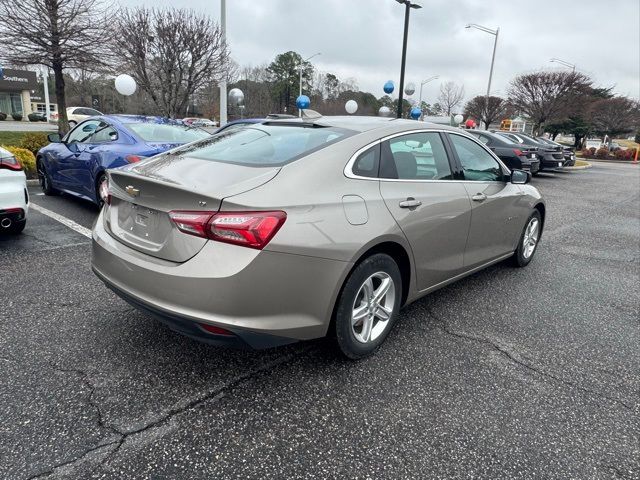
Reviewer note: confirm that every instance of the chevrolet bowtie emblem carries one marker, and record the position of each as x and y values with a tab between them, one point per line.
134	192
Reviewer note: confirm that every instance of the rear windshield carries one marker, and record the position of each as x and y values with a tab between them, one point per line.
158	132
263	145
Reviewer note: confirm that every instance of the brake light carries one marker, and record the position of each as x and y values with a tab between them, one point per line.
517	151
215	330
248	229
10	163
134	158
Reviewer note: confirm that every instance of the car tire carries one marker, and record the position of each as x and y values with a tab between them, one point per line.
45	180
529	240
101	180
362	322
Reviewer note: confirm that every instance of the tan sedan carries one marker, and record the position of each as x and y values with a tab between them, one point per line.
295	229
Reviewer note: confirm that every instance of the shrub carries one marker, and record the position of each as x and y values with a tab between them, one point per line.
34	141
3	116
592	151
637	138
16	116
620	154
602	152
586	152
25	158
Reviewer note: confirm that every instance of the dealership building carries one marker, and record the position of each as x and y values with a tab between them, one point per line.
18	94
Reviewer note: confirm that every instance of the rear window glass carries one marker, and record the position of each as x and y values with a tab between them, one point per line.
157	132
264	145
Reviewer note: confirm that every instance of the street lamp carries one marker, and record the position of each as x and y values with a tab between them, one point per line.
408	5
493	57
424	82
300	67
562	62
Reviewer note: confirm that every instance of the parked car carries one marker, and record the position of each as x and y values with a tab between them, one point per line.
568	152
204	122
77	114
550	158
290	229
77	163
189	120
514	155
14	198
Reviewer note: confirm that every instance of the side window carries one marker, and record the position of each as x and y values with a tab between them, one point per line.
477	163
416	156
83	132
483	139
104	133
366	165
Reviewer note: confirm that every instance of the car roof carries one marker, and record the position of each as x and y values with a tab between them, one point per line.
123	119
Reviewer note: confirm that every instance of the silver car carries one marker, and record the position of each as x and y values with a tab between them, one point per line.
294	229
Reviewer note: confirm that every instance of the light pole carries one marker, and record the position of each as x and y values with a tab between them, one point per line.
300	68
424	82
408	5
223	83
562	62
493	58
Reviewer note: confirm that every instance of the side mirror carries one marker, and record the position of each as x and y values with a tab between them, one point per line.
520	177
54	138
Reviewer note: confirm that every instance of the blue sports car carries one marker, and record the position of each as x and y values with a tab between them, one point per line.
76	164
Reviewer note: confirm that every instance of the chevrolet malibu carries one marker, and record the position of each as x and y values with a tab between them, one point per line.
294	229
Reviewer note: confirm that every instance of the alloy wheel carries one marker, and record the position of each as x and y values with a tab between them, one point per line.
530	239
373	307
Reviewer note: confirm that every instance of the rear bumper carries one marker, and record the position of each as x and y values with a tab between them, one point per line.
264	298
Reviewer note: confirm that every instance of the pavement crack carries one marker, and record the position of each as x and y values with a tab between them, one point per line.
69	463
513	358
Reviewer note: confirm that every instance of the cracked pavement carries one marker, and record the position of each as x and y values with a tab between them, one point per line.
529	373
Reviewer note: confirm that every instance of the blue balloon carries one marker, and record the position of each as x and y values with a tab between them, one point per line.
388	87
303	102
415	113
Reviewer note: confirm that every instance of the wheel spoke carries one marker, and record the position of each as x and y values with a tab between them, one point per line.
367	326
382	290
367	289
383	313
359	314
534	230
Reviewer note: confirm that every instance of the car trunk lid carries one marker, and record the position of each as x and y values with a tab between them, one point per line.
143	194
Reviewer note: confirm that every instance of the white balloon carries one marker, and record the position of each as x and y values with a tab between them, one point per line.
458	119
236	97
351	106
125	84
410	88
384	111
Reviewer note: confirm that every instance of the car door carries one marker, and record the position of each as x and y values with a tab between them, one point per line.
496	209
429	203
70	173
89	162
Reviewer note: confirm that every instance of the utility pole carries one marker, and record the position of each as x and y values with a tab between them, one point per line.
223	83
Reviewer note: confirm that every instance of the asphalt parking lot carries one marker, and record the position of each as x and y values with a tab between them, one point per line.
510	373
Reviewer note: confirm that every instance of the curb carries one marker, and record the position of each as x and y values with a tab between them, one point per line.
33	182
579	167
604	160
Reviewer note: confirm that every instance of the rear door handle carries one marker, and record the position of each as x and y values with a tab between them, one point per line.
479	197
410	203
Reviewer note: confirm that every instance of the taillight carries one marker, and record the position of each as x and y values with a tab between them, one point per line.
134	158
248	229
10	163
517	151
193	223
215	330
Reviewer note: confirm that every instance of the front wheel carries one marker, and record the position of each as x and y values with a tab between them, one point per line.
528	241
102	190
45	180
368	306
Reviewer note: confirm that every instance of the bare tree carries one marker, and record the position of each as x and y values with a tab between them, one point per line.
615	116
476	108
451	96
171	54
547	96
60	34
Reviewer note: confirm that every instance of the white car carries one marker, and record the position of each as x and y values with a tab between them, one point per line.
203	122
14	199
77	114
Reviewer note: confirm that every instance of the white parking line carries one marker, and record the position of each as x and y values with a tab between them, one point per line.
63	220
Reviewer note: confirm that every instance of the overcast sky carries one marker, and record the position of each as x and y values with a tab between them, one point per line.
362	39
